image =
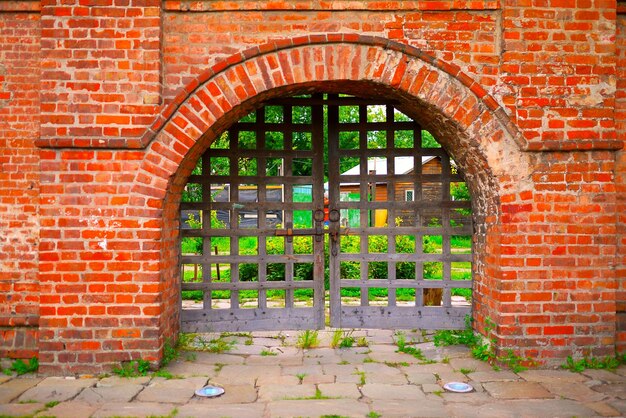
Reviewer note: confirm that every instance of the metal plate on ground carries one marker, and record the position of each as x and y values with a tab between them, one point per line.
210	391
458	387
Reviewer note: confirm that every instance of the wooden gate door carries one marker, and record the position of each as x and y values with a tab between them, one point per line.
254	223
256	218
394	227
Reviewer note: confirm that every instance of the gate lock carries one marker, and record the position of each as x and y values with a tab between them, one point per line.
318	217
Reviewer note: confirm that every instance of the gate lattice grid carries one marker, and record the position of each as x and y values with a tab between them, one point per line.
254	210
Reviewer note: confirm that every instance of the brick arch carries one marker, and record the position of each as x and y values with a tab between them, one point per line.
468	122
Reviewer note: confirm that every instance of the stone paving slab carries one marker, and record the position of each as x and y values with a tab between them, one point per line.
409	408
551	376
71	409
392	357
56	389
321	356
344	373
494	376
470	364
318	408
381	373
516	390
105	394
4	379
135	409
615	390
574	391
553	408
197	410
446	377
308	369
244	374
352	356
381	335
453	351
111	381
340	390
190	369
468	399
417	378
278	360
619	405
213	358
277	380
171	391
434	368
605	376
248	349
604	409
281	392
431	388
13	388
383	348
20	409
318	378
383	391
268	342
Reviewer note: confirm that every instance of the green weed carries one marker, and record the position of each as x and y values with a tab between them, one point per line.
165	374
606	363
170	353
20	367
265	352
466	336
334	342
362	377
318	395
133	368
481	349
397	364
407	348
342	339
307	339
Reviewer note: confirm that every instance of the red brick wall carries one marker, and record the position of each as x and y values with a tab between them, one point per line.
620	174
558	69
101	80
468	36
19	183
522	95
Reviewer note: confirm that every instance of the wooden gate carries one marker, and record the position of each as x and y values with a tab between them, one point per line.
255	222
401	245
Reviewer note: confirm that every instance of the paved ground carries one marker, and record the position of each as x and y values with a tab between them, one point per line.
368	381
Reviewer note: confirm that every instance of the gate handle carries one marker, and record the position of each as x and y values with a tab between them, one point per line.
334	217
318	216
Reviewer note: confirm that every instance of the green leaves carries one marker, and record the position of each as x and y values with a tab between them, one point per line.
20	367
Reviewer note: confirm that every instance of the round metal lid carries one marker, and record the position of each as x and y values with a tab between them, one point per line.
458	387
210	391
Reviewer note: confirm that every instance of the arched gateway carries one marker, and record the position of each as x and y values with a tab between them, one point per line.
468	123
128	278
